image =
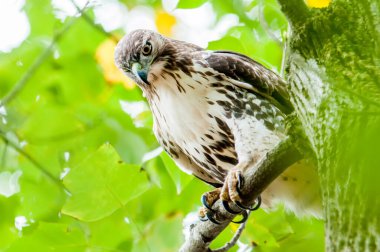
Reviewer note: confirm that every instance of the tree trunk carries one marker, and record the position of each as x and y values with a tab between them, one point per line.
333	69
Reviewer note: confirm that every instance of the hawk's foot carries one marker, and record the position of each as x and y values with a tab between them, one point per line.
209	198
231	191
207	213
231	187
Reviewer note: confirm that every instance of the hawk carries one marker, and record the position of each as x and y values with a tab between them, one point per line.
217	114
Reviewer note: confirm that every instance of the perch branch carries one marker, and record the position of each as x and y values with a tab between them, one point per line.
256	180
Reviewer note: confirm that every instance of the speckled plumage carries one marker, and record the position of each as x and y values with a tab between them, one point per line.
214	111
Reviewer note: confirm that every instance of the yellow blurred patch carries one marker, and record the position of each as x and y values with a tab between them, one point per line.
165	23
234	227
104	57
318	3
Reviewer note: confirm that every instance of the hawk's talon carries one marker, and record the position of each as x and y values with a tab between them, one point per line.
210	216
257	206
240	183
209	198
206	213
205	203
228	208
245	218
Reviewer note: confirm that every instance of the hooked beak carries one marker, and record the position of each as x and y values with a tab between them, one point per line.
140	73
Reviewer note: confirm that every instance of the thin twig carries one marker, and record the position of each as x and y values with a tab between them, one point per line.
24	79
284	50
36	64
264	23
96	26
30	158
234	239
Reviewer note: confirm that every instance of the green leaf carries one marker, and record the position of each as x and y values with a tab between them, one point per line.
189	4
164	233
261	235
180	178
121	236
52	237
102	184
227	43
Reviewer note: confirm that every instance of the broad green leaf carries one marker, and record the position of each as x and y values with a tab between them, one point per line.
227	43
37	190
180	178
189	4
52	237
8	208
163	235
101	184
277	231
260	235
120	237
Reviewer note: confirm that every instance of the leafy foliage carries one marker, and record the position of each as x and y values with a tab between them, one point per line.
86	183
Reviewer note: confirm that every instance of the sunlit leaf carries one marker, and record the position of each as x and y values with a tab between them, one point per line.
180	178
227	43
52	237
188	4
101	184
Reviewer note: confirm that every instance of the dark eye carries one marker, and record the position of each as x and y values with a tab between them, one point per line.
147	49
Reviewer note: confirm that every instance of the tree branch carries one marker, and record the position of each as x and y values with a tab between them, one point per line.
295	11
234	239
256	180
96	26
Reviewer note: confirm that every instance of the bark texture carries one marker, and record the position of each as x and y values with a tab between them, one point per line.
333	68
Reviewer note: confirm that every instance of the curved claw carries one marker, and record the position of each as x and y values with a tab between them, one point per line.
205	203
257	206
240	181
228	208
245	218
210	216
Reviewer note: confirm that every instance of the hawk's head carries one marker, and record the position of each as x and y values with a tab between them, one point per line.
136	52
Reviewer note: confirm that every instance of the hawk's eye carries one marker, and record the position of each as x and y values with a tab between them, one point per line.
147	49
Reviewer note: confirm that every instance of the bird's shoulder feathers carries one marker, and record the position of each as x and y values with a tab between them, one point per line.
251	75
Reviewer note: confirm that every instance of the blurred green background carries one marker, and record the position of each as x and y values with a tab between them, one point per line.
80	169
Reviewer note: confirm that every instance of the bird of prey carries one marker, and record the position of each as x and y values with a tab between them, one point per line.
217	114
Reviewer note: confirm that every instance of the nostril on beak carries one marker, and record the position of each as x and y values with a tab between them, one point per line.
140	73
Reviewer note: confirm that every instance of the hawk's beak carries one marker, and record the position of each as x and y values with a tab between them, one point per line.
140	73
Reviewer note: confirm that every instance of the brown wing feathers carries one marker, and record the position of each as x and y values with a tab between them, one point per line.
263	81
